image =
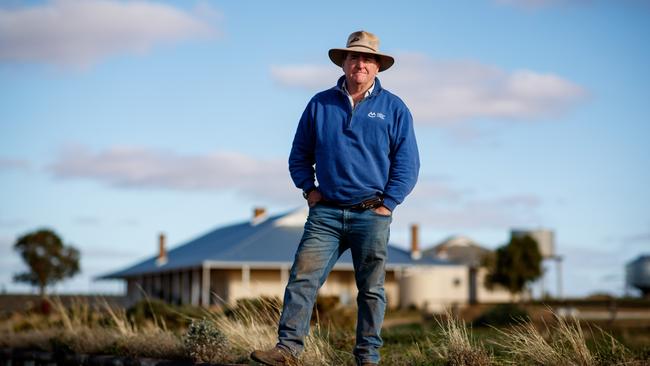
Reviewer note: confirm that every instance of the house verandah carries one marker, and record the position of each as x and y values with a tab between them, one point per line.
217	284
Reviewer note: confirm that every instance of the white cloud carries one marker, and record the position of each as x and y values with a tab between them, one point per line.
311	77
82	32
307	76
435	203
481	214
135	167
458	210
440	92
434	190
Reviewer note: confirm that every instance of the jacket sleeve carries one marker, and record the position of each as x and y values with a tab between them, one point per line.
404	161
302	158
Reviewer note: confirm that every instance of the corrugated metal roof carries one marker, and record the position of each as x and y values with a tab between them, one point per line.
269	243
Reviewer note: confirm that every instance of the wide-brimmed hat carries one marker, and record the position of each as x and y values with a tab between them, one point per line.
363	42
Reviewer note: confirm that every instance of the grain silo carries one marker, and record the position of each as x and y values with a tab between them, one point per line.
637	274
545	240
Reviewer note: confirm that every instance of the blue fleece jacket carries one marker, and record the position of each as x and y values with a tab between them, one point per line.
358	154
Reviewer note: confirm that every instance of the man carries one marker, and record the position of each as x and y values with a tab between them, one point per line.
360	139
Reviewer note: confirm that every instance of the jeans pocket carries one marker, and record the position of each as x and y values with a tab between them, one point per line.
316	210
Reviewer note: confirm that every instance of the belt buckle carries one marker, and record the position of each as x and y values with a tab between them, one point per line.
371	203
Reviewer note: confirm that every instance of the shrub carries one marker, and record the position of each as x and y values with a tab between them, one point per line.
205	343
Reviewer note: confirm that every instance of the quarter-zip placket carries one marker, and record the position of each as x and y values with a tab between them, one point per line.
352	109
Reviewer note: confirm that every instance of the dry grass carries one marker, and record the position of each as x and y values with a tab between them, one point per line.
85	340
84	333
456	346
82	329
612	352
563	344
570	341
251	328
155	343
525	344
34	339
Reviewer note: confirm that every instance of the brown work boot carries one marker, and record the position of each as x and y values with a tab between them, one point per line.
276	356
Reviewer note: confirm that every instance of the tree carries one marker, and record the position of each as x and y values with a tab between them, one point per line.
49	261
515	264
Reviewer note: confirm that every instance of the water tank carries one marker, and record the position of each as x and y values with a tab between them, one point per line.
434	288
637	274
545	240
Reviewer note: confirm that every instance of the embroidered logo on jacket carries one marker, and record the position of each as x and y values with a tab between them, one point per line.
375	114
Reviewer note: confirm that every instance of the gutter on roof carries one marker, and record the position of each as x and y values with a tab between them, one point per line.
259	265
338	266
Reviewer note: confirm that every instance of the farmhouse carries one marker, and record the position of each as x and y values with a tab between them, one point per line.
253	258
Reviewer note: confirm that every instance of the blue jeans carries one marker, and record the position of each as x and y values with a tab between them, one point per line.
329	232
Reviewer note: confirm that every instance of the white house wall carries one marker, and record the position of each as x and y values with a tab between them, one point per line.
258	283
434	288
231	285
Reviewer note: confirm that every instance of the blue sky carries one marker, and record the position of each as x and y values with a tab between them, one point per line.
123	119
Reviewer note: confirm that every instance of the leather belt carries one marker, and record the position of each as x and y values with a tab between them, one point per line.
363	205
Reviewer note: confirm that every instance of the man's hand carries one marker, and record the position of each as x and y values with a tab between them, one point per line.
382	210
314	197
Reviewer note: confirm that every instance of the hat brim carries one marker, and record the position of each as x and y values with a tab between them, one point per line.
337	55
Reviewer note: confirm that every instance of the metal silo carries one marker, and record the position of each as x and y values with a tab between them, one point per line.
545	240
637	274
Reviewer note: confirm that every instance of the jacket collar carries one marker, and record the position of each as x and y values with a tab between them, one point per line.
377	88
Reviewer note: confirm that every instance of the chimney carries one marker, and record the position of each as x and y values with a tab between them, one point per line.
415	245
259	214
162	251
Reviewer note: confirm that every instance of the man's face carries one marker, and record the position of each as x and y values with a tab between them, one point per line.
360	68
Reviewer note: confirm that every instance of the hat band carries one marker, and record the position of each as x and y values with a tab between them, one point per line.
360	45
